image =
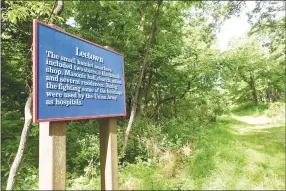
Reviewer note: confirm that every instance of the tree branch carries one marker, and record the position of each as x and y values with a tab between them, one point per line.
27	124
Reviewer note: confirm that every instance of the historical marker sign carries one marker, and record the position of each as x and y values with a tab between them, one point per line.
74	78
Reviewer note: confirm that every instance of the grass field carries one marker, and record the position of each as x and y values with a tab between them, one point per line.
236	155
241	151
237	152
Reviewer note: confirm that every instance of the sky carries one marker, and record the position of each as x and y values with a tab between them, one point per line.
234	27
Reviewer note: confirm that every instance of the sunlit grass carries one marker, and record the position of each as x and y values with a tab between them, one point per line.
247	161
231	154
223	159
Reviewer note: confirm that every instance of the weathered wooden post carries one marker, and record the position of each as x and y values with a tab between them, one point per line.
52	152
52	156
75	79
108	154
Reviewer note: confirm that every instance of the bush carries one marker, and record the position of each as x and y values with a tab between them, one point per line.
82	145
277	112
249	108
12	124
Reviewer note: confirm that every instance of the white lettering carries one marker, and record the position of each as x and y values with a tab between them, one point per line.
88	55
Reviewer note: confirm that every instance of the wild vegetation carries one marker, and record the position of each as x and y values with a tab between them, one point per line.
197	118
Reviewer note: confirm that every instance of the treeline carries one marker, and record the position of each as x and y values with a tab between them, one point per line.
177	82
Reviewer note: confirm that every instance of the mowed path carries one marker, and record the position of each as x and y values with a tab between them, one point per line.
242	152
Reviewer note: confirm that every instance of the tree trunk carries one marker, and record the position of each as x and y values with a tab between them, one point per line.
27	125
267	95
158	96
254	95
273	95
146	100
129	101
138	85
253	89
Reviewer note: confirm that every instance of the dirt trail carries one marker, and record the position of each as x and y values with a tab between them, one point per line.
255	124
253	120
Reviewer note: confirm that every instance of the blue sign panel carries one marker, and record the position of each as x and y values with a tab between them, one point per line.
74	78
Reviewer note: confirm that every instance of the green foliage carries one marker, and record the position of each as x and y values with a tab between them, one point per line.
137	146
177	134
249	108
277	111
83	149
223	157
244	70
11	123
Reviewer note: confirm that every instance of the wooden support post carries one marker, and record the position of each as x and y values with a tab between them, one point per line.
108	154
52	156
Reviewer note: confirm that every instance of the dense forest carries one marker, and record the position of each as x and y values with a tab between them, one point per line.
180	91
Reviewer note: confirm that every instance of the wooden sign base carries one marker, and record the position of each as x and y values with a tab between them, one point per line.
52	156
108	154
